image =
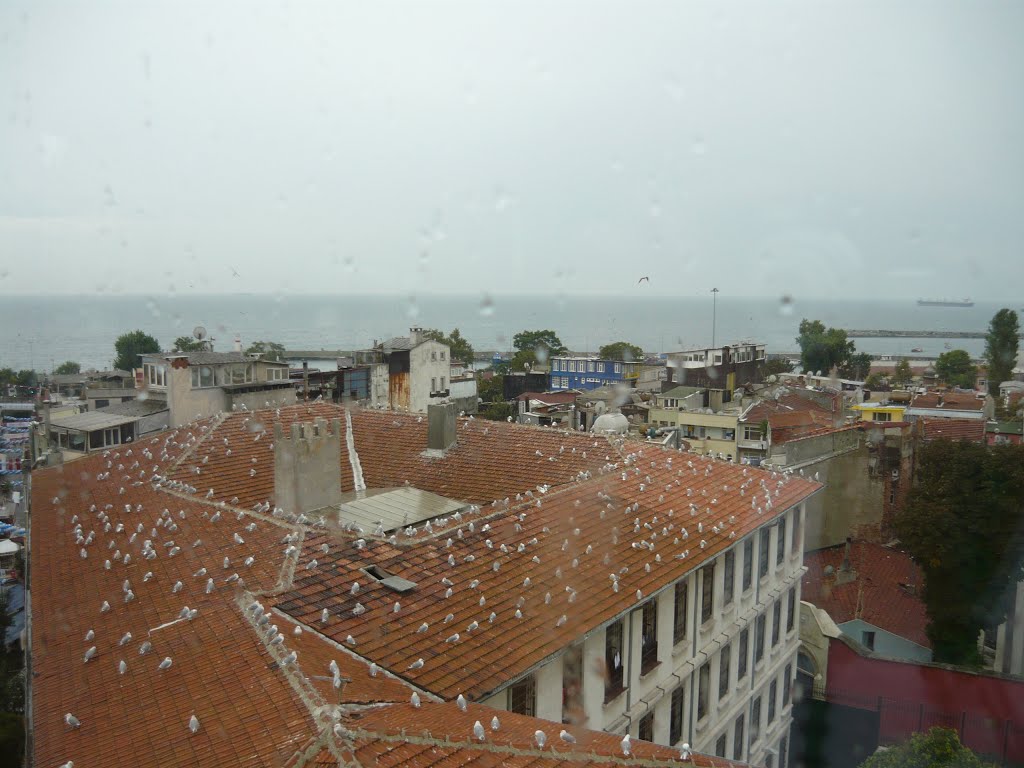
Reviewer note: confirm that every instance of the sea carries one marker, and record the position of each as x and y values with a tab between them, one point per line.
40	332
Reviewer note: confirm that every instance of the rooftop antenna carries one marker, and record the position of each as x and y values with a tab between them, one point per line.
200	333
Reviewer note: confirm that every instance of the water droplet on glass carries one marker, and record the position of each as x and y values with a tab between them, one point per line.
486	306
413	310
143	395
698	147
786	305
501	200
542	355
154	310
349	264
655	209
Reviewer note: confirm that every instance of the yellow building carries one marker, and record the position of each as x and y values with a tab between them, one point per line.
877	412
705	429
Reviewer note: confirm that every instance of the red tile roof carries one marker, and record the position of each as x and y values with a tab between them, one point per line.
951	401
875	595
254	703
972	430
551	397
786	403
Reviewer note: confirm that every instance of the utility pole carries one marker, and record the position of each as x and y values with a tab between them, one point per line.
714	314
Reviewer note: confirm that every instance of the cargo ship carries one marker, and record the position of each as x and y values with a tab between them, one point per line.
944	303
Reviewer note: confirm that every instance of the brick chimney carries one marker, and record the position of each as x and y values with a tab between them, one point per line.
441	432
307	466
415	335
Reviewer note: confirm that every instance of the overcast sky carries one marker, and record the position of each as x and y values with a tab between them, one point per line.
814	148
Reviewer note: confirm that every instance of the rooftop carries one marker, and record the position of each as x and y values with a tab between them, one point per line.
884	591
117	551
972	430
135	408
90	421
950	401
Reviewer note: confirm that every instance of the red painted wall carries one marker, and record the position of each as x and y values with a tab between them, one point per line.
987	710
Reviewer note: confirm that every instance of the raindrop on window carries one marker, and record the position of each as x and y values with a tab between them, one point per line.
486	306
786	306
413	310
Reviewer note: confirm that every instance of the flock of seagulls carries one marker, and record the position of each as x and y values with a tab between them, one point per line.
472	545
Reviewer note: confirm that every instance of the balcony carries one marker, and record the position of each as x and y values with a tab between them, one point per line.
753	445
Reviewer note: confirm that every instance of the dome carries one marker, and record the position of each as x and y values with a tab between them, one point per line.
613	423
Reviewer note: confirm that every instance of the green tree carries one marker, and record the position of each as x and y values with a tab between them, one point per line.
938	748
775	366
856	367
534	340
497	411
874	381
621	350
490	390
188	344
270	350
821	348
26	378
1001	345
8	376
459	347
902	375
67	368
130	347
964	526
956	369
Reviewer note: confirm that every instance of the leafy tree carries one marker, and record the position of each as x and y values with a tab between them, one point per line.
821	348
856	367
26	378
131	346
523	358
497	411
621	350
459	347
188	344
964	526
270	350
532	340
956	369
1001	345
491	390
67	368
775	366
8	376
939	748
875	381
902	375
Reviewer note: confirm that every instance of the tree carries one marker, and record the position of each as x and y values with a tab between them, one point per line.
188	344
621	350
67	368
964	526
131	346
533	340
1001	345
856	367
902	375
821	348
956	369
491	390
939	748
874	381
26	378
776	366
270	350
459	347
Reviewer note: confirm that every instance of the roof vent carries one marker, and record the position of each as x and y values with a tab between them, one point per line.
394	583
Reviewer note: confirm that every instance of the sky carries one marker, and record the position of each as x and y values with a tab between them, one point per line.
868	149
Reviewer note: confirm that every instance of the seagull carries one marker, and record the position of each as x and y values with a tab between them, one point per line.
415	699
495	724
625	745
418	664
478	731
540	738
193	724
71	720
461	702
645	277
567	737
166	663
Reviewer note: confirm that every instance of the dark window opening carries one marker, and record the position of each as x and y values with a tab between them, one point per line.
613	685
720	746
762	562
675	726
776	623
645	731
730	577
780	546
868	639
791	615
787	685
744	651
679	613
723	672
522	697
707	592
773	691
755	721
748	564
703	684
649	637
737	739
759	638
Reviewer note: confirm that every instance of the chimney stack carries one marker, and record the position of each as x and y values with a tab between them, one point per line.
845	567
307	466
415	335
238	343
441	431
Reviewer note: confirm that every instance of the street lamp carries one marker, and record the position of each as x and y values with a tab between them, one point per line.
714	313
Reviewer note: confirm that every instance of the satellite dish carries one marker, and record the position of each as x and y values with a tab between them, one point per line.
199	332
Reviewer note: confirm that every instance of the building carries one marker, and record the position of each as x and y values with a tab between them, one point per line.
873	594
107	427
1004	432
551	579
703	420
953	404
875	410
547	408
418	371
197	385
723	368
584	373
782	416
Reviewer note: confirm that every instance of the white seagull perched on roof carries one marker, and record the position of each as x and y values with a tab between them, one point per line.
478	731
567	737
461	702
71	720
540	738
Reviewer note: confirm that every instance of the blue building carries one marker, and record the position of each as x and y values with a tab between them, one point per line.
590	372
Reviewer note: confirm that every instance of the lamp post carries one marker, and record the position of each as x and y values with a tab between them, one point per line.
714	313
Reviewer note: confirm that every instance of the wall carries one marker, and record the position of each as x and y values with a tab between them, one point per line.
987	709
187	404
463	394
154	422
886	643
426	362
255	400
816	631
1010	637
714	421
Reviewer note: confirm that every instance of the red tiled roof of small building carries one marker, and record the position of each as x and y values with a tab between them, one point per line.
881	594
972	430
949	401
255	704
786	403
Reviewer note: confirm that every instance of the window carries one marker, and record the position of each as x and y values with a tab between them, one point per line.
751	433
202	376
679	612
102	403
748	563
728	434
155	375
433	354
618	367
730	577
707	592
649	637
881	416
590	367
645	731
442	382
868	639
112	436
755	721
791	614
776	623
759	638
522	697
433	384
783	751
723	672
572	684
704	683
762	555
675	726
780	543
442	354
787	684
720	746
773	691
795	544
613	660
892	492
277	373
737	739
744	650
